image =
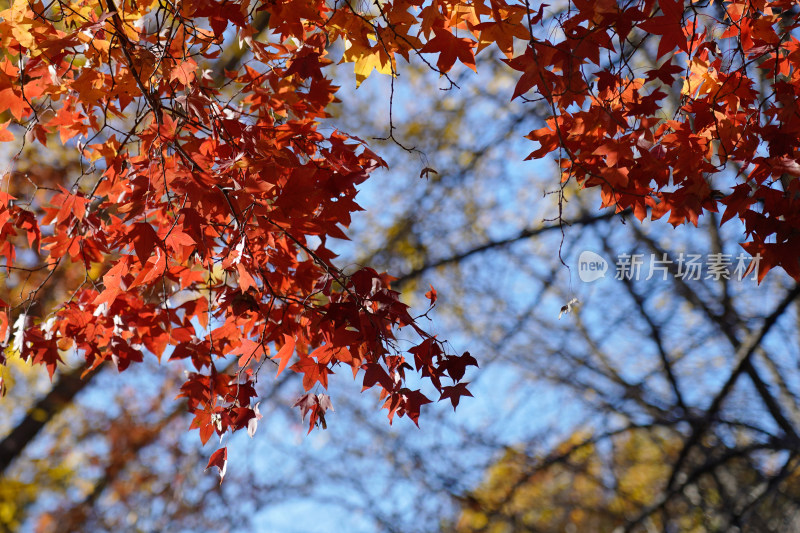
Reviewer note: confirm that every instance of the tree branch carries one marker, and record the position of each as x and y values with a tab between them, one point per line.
60	396
586	220
744	356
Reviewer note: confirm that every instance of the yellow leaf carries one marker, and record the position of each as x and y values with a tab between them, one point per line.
367	59
701	77
23	36
21	23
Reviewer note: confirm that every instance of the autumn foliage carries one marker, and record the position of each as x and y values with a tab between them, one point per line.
200	215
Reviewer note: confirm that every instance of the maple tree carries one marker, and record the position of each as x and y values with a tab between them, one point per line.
203	206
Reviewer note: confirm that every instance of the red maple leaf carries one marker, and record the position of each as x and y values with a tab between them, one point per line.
431	295
285	353
666	72
450	48
455	393
219	459
669	25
